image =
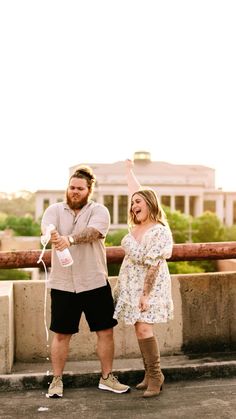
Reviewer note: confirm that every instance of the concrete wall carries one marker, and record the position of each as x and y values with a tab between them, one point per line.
205	320
209	312
31	319
226	265
9	242
6	326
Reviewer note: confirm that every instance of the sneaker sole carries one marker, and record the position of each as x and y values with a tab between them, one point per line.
54	396
103	387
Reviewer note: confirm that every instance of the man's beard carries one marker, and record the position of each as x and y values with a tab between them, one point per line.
74	205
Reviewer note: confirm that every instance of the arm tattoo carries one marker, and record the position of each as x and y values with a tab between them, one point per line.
149	280
88	235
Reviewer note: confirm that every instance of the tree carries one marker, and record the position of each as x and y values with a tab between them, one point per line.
230	233
19	204
14	274
179	224
114	239
22	226
208	228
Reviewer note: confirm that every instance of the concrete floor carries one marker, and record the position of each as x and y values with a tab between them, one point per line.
198	399
196	387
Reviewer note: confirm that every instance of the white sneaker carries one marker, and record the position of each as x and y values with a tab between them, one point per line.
56	388
112	384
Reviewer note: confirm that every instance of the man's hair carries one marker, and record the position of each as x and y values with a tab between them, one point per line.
156	212
85	172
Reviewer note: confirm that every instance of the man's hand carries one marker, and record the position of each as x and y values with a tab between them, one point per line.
60	242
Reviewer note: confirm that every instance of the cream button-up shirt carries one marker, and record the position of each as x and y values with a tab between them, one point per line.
89	270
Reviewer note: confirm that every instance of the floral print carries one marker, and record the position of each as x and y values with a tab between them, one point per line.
154	248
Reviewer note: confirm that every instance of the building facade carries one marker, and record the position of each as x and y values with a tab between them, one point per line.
189	189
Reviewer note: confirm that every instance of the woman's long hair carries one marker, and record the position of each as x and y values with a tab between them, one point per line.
156	212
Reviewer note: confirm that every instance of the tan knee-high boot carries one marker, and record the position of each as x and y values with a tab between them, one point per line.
144	383
151	355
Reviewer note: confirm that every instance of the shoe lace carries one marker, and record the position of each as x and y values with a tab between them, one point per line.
114	378
56	381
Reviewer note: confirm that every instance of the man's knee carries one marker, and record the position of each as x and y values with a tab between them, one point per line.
62	337
105	334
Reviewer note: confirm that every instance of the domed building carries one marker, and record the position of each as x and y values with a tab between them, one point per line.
187	188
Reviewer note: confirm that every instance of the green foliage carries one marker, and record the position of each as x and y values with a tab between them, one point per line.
184	268
207	228
3	216
206	265
179	224
14	274
22	226
113	269
114	238
230	233
20	204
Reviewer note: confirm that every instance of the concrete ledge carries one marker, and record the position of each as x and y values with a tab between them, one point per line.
6	327
87	373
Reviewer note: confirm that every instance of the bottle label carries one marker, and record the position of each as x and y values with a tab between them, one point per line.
65	258
66	261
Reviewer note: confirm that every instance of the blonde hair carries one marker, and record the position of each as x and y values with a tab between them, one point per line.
156	212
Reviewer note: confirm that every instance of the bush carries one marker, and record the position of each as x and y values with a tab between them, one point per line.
14	274
114	238
183	268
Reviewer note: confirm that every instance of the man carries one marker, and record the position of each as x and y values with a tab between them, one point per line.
81	224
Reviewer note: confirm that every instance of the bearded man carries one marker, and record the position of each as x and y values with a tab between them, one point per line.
80	225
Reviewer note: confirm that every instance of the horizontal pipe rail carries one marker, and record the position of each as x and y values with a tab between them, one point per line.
115	254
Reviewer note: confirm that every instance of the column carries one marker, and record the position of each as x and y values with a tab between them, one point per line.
186	204
198	207
115	209
172	203
220	207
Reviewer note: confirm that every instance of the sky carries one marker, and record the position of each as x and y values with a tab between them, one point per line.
94	81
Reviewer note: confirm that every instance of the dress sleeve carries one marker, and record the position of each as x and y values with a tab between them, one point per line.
160	246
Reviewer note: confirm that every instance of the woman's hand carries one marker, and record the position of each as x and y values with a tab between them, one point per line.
143	303
129	164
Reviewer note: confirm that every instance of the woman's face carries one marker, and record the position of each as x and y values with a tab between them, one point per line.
139	208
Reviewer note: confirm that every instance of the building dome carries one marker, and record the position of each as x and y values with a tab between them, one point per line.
142	157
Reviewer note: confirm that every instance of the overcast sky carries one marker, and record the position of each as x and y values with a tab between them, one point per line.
95	81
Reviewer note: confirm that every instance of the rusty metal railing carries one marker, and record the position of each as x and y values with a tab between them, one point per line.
115	254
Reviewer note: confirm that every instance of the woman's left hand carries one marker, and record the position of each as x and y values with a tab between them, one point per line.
143	303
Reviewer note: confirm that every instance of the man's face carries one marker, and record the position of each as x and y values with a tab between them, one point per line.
77	193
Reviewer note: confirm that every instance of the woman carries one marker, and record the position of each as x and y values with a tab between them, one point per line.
143	290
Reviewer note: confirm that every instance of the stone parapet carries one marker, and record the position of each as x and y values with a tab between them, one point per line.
204	321
6	327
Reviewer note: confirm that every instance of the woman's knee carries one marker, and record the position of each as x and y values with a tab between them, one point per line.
143	330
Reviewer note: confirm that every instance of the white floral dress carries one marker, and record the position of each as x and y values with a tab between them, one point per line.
154	248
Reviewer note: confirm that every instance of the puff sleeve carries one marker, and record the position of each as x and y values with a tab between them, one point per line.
160	246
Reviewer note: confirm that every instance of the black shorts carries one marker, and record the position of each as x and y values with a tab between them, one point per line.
67	307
